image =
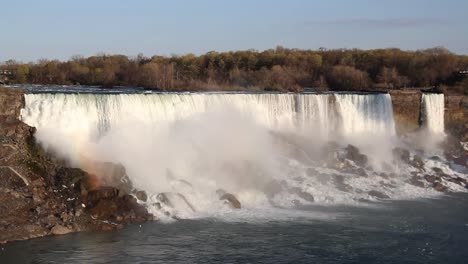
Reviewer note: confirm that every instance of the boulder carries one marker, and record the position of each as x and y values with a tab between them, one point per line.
141	195
439	172
303	195
60	230
418	162
378	194
229	198
459	181
353	154
415	180
439	187
340	184
174	200
431	178
121	209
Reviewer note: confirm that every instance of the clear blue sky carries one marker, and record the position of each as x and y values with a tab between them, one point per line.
30	30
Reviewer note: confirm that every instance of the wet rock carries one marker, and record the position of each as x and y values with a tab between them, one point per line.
439	172
416	182
125	206
101	193
361	172
229	198
142	196
303	195
401	155
171	199
387	185
60	230
459	181
435	158
383	175
439	187
353	154
418	162
378	194
340	184
431	178
163	198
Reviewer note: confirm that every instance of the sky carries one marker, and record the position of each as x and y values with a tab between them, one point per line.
59	29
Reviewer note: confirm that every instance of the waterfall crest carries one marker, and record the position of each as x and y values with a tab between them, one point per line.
90	115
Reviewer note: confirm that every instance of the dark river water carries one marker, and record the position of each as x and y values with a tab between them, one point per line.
422	231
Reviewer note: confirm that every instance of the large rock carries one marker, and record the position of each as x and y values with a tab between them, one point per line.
303	195
60	230
119	209
229	198
439	187
354	154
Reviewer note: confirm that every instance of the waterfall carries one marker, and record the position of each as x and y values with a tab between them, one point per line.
366	114
433	113
91	115
215	140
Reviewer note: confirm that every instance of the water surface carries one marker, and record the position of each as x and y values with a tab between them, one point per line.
422	231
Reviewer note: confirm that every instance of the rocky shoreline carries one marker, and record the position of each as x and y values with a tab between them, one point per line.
40	195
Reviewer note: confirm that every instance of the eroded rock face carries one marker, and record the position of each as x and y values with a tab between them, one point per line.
40	195
456	116
406	110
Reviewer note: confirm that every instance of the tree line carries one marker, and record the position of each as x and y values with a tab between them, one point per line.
278	69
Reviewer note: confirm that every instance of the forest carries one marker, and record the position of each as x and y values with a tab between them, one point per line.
280	69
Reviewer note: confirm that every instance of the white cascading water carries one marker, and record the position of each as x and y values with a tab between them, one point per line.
433	113
242	143
366	113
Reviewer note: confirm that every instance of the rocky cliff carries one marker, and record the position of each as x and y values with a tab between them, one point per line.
407	113
40	195
406	110
456	116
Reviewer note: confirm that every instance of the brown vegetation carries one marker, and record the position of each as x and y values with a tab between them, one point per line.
277	69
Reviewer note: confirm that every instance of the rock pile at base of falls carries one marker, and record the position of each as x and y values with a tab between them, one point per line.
349	162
